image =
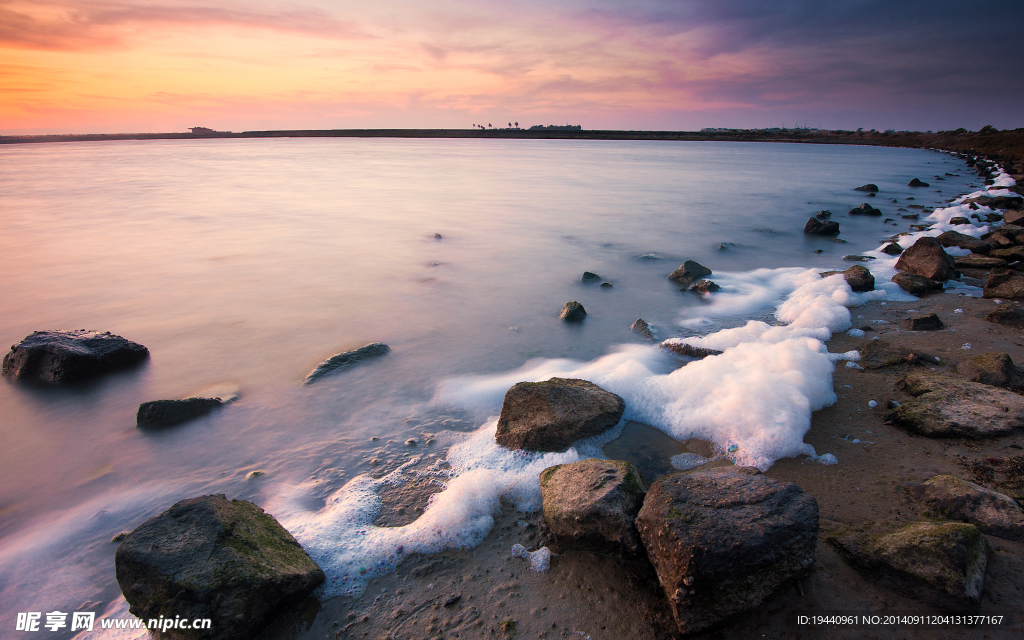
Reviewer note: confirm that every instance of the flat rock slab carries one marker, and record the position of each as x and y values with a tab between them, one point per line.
957	499
941	563
724	539
208	557
552	415
964	241
592	504
975	261
168	413
944	406
880	354
337	363
57	357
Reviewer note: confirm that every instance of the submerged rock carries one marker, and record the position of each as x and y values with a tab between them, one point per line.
208	557
704	287
916	285
816	227
689	272
943	406
1007	314
167	413
927	258
930	322
640	327
917	183
334	364
551	415
572	312
992	512
592	504
62	356
725	539
873	188
589	277
964	241
941	563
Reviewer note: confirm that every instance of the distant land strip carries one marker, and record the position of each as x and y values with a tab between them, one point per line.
1007	146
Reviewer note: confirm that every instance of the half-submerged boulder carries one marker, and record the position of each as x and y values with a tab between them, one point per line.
337	363
892	249
859	278
992	512
168	413
553	414
941	563
589	276
689	272
61	356
703	287
725	539
817	227
591	504
687	351
572	311
870	187
917	183
640	327
865	209
944	406
209	557
927	258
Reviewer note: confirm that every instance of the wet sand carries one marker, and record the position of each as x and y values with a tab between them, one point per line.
486	593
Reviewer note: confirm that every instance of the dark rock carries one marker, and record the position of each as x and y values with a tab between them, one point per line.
940	563
916	285
880	354
996	369
606	285
552	415
858	277
592	504
689	272
959	220
816	227
572	312
927	258
824	214
70	356
1007	314
438	236
910	216
167	413
858	258
703	287
977	261
208	557
687	351
956	499
865	209
945	406
892	249
868	187
642	328
725	539
997	202
837	240
589	277
337	363
964	241
1009	285
929	322
917	183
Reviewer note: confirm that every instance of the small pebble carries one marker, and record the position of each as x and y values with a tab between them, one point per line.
872	404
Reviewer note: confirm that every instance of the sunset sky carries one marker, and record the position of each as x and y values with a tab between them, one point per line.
105	66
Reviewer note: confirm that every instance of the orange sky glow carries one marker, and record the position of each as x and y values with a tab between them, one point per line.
133	66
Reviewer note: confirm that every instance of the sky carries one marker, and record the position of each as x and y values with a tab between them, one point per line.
128	66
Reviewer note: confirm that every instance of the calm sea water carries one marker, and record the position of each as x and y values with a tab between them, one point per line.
246	262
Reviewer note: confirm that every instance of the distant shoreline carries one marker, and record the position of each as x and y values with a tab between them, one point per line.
1006	147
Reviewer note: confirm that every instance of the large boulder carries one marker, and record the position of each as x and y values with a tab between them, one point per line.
1008	314
944	406
168	413
992	512
209	557
725	539
996	369
551	415
1008	285
940	563
927	258
964	241
916	285
591	504
572	311
70	356
342	361
817	227
689	272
